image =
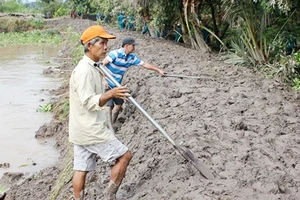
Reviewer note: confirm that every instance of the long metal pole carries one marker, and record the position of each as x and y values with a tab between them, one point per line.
182	76
187	154
132	100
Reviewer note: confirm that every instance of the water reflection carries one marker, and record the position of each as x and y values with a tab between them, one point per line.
23	88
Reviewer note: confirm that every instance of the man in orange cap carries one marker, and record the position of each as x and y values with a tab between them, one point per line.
87	120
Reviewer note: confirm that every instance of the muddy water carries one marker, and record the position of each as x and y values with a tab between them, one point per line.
23	88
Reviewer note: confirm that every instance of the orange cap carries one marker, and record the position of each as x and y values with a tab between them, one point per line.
95	31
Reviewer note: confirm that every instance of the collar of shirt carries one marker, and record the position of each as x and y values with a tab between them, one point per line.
122	51
90	61
124	55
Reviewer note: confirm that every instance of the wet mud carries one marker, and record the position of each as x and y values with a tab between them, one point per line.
244	127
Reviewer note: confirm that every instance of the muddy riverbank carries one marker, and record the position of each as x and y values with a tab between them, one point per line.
244	127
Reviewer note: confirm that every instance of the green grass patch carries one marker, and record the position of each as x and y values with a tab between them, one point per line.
46	108
2	189
19	24
296	84
30	37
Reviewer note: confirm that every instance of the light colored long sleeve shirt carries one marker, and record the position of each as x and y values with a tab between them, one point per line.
87	120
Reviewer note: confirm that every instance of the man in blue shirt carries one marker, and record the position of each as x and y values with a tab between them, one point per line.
130	24
121	21
117	62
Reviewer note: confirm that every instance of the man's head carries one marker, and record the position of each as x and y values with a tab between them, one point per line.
128	44
95	40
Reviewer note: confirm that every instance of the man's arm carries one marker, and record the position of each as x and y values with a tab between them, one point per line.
153	68
117	92
105	61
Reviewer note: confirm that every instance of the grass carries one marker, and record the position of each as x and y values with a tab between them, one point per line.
30	37
2	189
46	108
296	84
18	24
65	175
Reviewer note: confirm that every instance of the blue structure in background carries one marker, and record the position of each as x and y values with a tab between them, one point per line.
98	16
130	24
121	21
206	34
290	42
146	29
107	19
178	33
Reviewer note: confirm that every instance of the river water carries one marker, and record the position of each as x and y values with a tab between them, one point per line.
23	88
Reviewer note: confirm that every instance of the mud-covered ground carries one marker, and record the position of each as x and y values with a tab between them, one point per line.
244	127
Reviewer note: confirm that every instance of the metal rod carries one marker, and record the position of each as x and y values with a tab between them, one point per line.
182	76
188	155
132	100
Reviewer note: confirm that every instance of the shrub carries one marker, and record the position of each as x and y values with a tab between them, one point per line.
61	12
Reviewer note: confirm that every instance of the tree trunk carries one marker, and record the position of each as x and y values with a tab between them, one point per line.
192	25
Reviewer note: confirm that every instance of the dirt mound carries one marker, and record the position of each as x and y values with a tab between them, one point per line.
243	126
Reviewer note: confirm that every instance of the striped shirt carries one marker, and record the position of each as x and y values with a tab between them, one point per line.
118	64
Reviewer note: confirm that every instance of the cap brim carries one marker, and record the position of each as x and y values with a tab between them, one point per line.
107	36
135	44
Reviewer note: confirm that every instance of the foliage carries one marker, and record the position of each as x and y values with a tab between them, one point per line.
296	84
297	57
17	24
88	6
61	12
169	14
36	23
76	49
65	176
30	37
260	37
282	5
250	21
8	6
53	7
2	189
287	69
46	108
47	1
108	7
256	31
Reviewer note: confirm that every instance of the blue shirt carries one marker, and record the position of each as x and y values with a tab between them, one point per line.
121	19
118	64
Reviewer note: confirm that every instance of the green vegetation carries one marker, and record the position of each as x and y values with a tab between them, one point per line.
17	24
258	34
55	8
61	11
76	49
2	189
7	6
30	37
296	84
65	175
46	108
